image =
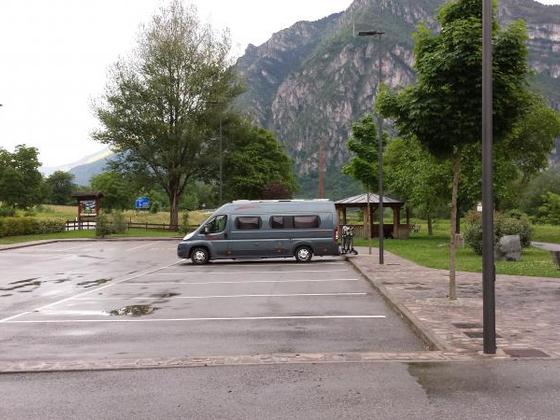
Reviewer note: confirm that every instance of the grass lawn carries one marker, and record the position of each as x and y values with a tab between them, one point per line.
196	217
433	252
88	234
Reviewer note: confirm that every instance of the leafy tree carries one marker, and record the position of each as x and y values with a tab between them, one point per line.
549	212
254	160
116	191
60	187
534	194
21	183
415	175
443	108
363	144
161	106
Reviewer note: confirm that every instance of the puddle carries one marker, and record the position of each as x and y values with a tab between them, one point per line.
165	295
21	284
58	281
134	310
93	283
6	295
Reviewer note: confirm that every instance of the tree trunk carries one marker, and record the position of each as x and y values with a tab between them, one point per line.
173	208
430	225
453	237
458	222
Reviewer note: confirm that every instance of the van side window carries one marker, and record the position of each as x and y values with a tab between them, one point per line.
248	223
218	224
282	222
306	222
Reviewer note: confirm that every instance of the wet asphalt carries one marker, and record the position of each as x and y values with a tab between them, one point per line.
111	300
471	390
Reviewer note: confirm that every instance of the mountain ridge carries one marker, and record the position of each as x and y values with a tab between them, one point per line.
308	82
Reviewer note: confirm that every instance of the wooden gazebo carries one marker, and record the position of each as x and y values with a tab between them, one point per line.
395	230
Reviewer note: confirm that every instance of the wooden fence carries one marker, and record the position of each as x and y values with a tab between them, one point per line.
90	225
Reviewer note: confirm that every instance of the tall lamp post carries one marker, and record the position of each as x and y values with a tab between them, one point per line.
488	269
379	148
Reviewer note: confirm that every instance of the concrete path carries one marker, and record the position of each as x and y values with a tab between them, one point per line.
546	246
527	314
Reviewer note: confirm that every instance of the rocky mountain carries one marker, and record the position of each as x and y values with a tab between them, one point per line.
310	81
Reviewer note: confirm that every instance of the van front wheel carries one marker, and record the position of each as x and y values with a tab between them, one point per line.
303	254
200	256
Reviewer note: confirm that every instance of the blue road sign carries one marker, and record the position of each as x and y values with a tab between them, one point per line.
142	203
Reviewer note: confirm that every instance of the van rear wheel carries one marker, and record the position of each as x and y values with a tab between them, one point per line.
200	256
303	254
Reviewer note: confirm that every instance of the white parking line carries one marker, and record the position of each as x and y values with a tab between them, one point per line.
168	283
145	272
229	273
228	296
242	318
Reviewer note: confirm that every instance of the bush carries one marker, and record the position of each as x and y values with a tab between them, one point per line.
118	224
512	223
7	212
102	226
549	212
184	225
15	226
155	207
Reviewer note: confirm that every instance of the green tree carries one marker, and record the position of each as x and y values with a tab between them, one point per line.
254	160
416	176
533	196
549	212
117	194
443	108
363	145
21	183
60	187
161	106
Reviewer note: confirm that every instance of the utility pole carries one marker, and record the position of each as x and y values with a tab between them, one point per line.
379	145
321	170
488	268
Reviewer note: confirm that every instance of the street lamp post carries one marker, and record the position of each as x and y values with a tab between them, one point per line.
488	268
379	147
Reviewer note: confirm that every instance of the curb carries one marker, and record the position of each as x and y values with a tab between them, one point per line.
54	241
430	340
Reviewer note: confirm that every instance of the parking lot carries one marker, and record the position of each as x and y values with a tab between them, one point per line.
135	299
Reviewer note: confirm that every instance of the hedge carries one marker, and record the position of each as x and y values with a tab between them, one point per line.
15	226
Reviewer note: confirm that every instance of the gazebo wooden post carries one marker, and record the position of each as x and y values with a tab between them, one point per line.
344	215
407	216
366	221
396	221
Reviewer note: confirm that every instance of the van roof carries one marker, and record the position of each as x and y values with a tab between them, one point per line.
255	207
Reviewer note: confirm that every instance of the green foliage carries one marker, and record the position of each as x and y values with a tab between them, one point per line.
118	223
549	212
255	160
184	226
162	106
21	183
363	143
513	223
102	226
12	226
116	191
7	212
411	173
60	187
534	194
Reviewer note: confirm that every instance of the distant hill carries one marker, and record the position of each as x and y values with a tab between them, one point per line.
83	169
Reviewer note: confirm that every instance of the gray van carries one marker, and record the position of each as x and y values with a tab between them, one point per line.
264	229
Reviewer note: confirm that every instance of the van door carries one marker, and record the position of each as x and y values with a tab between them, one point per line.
246	237
216	233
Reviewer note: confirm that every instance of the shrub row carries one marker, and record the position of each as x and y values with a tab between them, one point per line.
511	223
13	226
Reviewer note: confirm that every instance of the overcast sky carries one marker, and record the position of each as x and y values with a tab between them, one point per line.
54	57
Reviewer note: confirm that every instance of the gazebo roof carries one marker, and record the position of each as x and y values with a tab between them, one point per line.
361	200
